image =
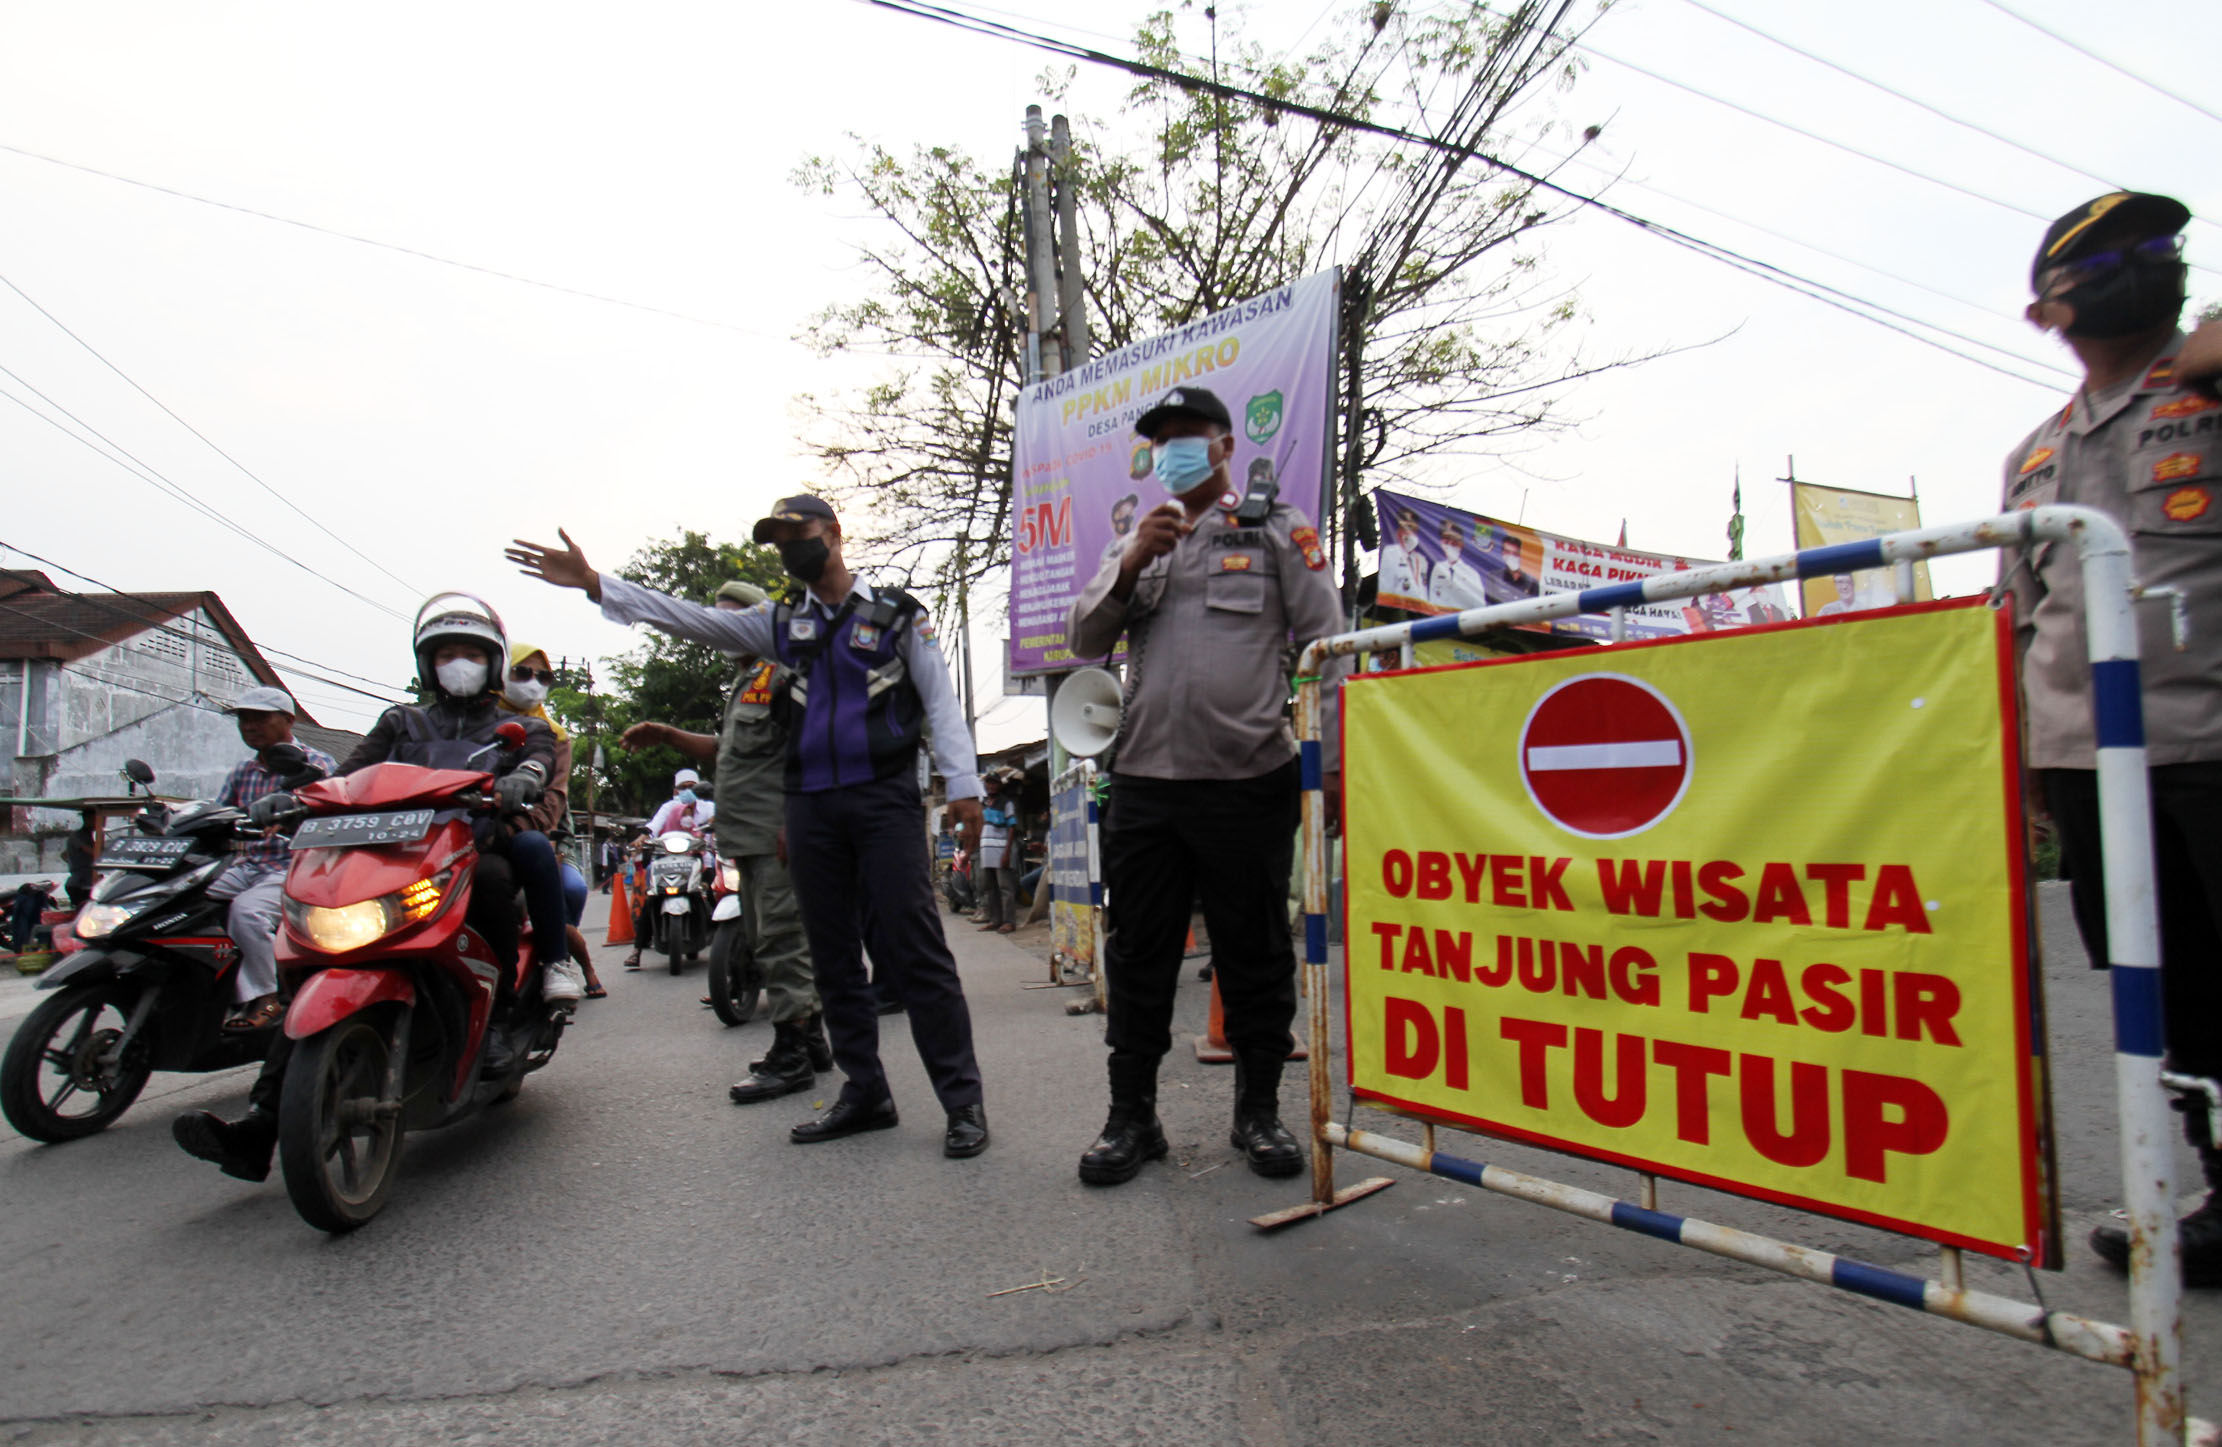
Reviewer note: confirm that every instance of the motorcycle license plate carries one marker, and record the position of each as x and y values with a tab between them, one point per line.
347	831
142	851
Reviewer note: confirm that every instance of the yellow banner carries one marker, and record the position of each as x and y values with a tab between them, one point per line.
1825	515
1744	909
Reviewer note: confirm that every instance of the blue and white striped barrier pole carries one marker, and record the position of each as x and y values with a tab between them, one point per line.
2152	1344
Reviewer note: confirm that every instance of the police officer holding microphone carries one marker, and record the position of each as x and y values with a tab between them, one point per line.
868	678
1214	592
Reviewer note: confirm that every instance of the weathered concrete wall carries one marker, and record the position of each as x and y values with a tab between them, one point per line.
191	746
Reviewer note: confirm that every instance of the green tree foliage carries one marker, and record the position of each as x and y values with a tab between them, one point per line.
1189	202
666	679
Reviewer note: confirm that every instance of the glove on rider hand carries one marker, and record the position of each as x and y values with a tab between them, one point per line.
269	809
518	790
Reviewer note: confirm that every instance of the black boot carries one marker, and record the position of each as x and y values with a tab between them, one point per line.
784	1069
241	1147
1131	1135
2199	1234
1258	1132
813	1028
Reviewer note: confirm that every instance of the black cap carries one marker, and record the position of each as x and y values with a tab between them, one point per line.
2105	219
1183	402
800	508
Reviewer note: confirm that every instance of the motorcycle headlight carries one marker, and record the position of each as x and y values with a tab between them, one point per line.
677	843
336	929
97	920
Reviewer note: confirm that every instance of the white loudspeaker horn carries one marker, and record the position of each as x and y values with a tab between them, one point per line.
1084	717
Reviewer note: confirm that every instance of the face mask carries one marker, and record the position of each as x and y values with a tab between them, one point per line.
462	677
685	796
525	694
804	558
2136	296
1183	463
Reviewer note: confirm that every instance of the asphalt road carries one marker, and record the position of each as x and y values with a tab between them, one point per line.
624	1257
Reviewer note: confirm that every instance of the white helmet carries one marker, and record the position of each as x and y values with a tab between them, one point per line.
461	618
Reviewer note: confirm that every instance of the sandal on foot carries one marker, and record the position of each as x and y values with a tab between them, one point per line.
256	1014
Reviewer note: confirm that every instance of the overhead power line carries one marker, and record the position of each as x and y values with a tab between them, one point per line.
383	245
1765	271
46	562
115	452
1943	115
204	437
2090	54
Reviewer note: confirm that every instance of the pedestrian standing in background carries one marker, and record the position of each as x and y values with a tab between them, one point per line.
996	873
2140	444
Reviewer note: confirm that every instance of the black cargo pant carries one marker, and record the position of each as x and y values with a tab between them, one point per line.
857	857
1232	841
2187	867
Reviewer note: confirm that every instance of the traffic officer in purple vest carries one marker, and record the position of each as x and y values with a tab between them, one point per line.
869	680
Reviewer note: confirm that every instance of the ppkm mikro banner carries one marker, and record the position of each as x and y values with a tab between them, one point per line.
1083	477
1744	909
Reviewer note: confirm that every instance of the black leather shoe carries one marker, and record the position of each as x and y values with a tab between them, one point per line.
2199	1233
847	1117
1271	1150
240	1148
1129	1138
968	1132
784	1069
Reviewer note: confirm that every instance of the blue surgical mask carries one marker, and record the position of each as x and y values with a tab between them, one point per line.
685	796
1182	463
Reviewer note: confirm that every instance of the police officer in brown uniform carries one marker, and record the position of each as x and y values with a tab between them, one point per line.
1213	592
2139	444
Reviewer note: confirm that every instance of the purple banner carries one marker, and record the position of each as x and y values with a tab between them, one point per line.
1438	559
1083	476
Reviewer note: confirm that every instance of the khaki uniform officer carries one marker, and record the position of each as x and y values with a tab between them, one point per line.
2139	445
1204	786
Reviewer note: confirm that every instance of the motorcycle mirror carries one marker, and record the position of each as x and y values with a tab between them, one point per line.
511	733
138	771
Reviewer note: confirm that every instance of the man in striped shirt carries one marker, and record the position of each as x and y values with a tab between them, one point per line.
255	883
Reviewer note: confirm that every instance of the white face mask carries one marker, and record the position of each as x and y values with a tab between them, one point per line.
525	694
462	677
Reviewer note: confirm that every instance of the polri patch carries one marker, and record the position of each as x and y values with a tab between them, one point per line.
1306	539
2187	504
2177	465
2183	407
1235	563
2035	460
2163	374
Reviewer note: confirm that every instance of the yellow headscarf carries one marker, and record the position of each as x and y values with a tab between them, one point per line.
518	653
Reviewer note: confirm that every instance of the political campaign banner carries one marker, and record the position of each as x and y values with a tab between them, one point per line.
1824	515
1440	559
1082	477
1074	875
1745	910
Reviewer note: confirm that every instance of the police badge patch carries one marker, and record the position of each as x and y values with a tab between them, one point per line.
1307	543
865	637
802	628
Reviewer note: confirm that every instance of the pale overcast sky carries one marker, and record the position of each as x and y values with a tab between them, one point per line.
426	413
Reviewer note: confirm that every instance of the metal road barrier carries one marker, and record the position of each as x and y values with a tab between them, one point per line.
2151	1345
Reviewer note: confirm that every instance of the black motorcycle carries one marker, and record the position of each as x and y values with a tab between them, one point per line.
152	986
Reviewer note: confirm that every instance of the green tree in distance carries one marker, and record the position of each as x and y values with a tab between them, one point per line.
1189	202
665	678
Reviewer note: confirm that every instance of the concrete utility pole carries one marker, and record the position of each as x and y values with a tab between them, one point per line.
1072	295
1041	254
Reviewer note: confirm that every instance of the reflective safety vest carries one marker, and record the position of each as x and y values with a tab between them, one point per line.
852	713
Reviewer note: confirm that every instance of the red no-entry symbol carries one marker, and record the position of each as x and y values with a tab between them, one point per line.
1605	756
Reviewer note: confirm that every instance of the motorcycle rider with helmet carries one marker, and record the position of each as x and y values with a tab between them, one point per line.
462	654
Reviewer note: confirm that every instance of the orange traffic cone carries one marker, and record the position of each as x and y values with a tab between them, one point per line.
621	913
1211	1046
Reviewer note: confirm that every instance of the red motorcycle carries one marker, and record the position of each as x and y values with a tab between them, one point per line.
394	1014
